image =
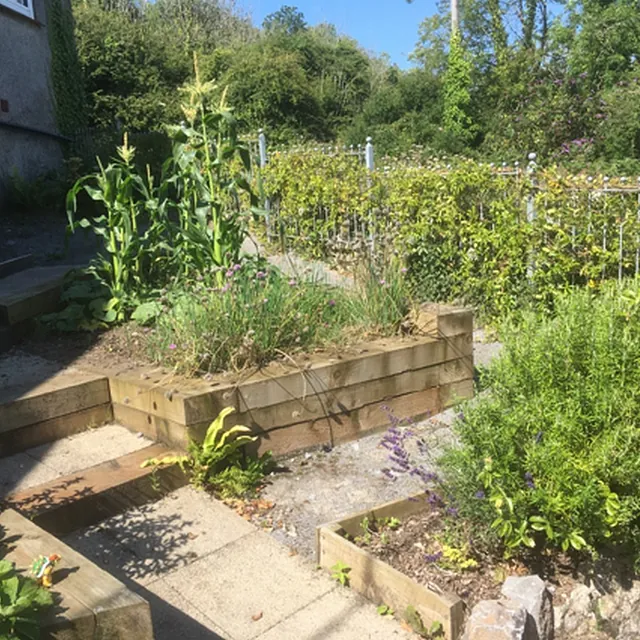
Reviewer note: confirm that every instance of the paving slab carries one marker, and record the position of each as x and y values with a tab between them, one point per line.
88	448
250	585
19	370
20	471
175	617
159	538
48	462
207	573
339	615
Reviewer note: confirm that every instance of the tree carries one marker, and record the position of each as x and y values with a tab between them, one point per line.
288	20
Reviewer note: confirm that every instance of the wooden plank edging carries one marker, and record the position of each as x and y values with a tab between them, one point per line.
378	581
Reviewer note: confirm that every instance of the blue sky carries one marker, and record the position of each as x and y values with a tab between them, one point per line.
381	26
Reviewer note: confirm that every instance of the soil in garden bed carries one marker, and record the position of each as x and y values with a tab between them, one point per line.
417	547
124	347
116	348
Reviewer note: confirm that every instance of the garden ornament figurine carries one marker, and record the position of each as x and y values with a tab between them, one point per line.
43	567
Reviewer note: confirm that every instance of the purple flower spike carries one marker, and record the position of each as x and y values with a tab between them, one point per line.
528	478
480	495
433	557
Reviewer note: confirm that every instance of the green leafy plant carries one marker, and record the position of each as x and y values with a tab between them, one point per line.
192	222
218	461
22	601
414	619
340	573
544	458
385	610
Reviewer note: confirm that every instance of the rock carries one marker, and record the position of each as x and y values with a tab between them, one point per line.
620	612
498	620
531	593
577	616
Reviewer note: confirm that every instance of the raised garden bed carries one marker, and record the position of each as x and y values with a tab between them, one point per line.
380	582
89	602
320	399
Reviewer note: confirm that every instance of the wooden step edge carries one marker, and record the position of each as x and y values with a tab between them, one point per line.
14	265
91	495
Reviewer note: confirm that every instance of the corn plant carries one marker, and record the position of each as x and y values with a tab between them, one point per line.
210	169
193	221
124	267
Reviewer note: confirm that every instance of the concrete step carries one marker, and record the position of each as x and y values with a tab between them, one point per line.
40	402
61	503
31	292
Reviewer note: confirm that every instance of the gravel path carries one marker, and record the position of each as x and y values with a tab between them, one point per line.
325	485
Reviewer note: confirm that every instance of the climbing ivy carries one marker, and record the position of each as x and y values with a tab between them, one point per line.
66	73
457	98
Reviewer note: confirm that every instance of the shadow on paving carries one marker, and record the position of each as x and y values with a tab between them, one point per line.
138	547
169	622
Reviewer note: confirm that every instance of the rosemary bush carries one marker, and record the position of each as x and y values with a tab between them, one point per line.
549	457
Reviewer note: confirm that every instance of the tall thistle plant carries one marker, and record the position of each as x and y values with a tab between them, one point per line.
193	221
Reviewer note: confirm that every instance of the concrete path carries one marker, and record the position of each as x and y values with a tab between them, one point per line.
208	573
297	267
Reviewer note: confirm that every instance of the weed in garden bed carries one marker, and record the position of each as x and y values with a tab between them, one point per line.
219	462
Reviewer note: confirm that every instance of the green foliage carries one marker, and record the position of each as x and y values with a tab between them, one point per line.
66	72
288	20
546	458
340	573
385	610
193	221
86	305
461	231
22	601
414	619
259	314
456	95
219	463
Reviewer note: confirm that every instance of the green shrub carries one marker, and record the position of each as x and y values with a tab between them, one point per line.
462	230
548	458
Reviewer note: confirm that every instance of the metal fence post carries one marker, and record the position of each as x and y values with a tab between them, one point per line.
262	149
531	210
368	154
